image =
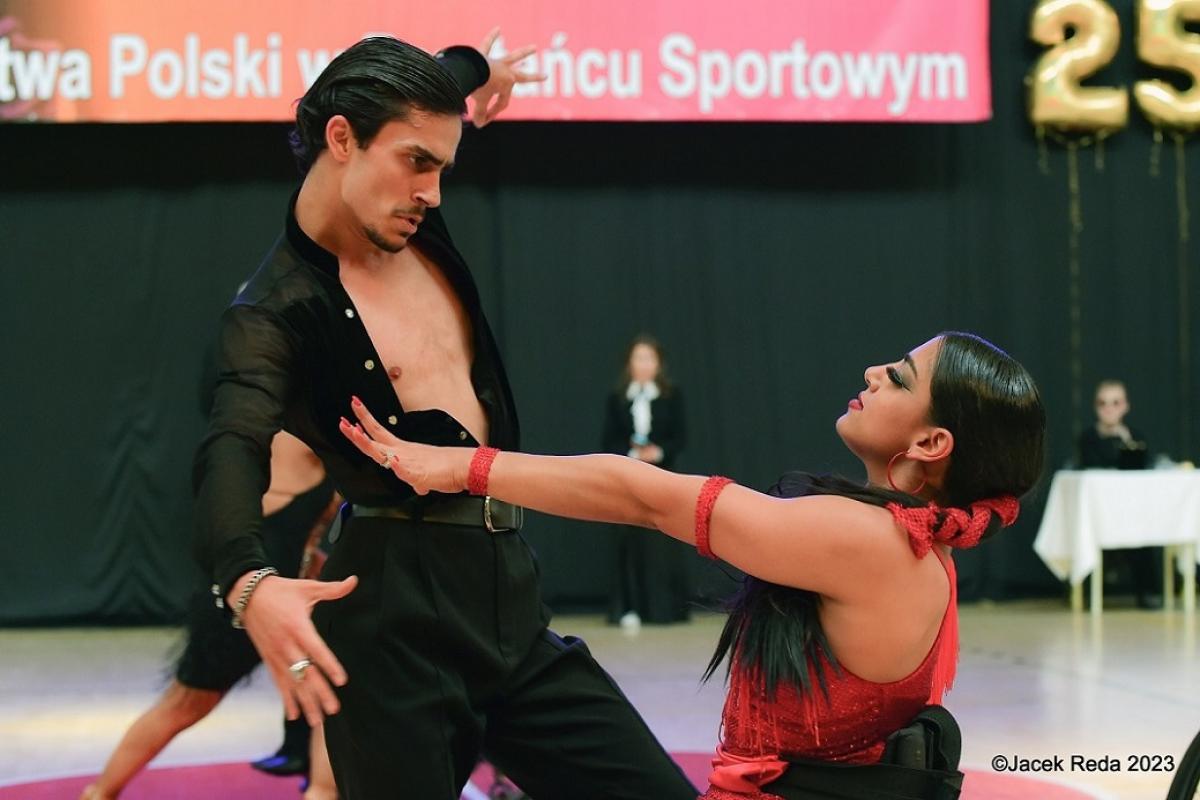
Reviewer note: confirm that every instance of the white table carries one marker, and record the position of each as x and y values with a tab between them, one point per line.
1090	511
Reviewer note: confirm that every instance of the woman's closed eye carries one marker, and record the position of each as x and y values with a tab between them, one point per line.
894	376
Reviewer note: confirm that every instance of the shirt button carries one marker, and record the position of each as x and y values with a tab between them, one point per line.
349	313
462	435
369	364
392	419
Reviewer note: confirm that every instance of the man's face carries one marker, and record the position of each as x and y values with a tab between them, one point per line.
388	186
1111	405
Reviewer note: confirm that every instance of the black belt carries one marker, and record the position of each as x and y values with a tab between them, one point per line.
496	516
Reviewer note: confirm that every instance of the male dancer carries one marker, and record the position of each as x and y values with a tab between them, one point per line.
442	650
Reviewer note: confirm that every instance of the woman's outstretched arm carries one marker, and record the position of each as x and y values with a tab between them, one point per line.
827	544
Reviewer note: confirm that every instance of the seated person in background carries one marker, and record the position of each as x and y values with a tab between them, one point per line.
1110	442
1113	444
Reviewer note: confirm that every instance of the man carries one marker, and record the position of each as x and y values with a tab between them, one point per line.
1112	444
433	612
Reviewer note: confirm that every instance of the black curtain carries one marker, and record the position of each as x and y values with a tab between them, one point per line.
774	261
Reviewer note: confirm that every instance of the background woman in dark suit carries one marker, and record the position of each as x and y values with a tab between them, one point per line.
644	419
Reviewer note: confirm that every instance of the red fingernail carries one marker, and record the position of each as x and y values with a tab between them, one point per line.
344	422
355	401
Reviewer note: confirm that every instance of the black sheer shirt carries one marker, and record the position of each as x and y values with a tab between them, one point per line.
291	351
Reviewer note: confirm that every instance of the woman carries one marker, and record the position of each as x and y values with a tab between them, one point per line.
643	419
846	628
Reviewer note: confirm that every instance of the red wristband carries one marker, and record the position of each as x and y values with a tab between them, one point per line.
481	465
704	508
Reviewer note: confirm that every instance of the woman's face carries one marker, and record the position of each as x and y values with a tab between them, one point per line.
643	363
884	418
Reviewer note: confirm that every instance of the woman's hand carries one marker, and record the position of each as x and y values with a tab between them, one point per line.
423	467
492	98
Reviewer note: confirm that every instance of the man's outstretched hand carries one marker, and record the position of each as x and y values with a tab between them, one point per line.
493	97
278	619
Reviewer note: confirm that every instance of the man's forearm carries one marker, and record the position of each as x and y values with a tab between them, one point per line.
231	474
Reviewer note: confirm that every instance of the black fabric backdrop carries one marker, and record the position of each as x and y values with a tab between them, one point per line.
774	261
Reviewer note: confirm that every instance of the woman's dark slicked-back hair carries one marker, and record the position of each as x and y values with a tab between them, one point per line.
375	81
991	405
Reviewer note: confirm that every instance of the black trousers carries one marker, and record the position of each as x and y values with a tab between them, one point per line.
449	658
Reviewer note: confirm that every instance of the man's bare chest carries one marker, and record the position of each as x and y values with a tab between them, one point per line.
414	319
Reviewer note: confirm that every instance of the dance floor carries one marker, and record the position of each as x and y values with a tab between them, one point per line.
239	782
1035	682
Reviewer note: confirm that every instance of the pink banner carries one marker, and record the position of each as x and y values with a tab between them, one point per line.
785	60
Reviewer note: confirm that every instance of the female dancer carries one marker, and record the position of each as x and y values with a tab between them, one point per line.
845	629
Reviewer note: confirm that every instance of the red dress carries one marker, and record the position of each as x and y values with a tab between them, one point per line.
851	726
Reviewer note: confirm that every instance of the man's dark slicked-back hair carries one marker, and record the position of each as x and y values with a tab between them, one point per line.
374	82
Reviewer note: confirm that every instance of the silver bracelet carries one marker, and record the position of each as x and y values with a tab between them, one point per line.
239	608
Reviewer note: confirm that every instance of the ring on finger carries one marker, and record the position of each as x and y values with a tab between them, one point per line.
385	460
299	668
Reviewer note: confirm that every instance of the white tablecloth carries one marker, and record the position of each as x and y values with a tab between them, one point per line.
1101	509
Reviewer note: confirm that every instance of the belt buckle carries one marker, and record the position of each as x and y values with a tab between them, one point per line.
487	514
518	517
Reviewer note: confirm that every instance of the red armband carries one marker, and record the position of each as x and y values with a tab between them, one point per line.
481	465
704	508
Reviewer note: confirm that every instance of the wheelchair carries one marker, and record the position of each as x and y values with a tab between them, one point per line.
1186	783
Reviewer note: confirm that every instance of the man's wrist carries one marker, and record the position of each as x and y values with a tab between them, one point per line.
235	588
468	66
243	589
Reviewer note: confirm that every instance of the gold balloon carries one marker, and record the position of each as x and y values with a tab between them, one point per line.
1056	98
1163	42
